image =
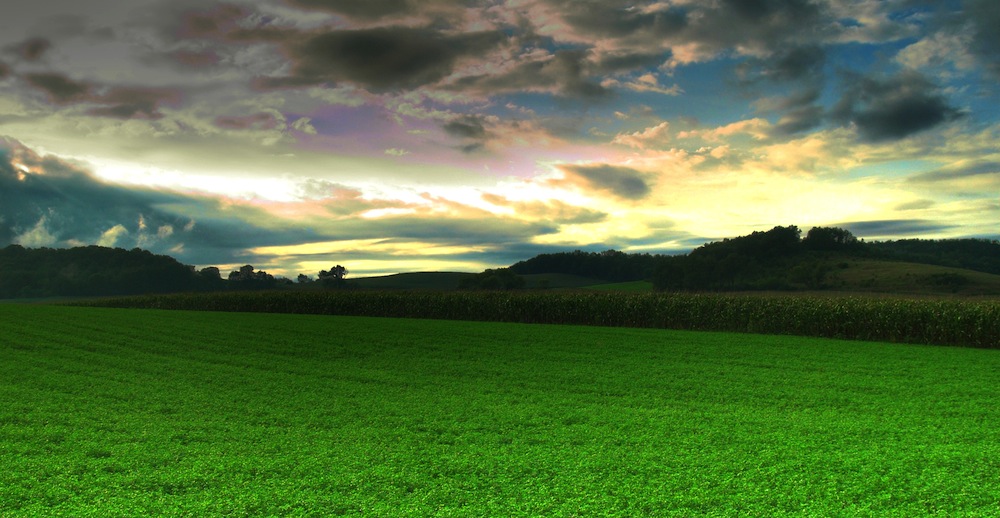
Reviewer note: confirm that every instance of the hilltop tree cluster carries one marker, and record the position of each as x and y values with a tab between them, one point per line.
777	259
610	265
773	260
93	270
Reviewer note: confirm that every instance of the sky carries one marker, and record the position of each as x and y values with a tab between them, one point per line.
430	135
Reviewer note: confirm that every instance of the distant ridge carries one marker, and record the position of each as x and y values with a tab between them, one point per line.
826	259
412	281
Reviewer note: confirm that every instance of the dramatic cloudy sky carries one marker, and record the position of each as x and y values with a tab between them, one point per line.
402	135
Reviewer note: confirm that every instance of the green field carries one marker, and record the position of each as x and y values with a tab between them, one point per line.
111	412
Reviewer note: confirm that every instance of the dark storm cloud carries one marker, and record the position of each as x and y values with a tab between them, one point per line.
466	126
134	102
366	10
197	60
800	119
768	25
193	23
633	37
256	121
116	102
978	168
799	111
59	88
471	130
381	59
45	201
893	107
620	19
799	67
4	71
984	16
75	205
72	207
564	73
758	24
33	49
802	68
758	11
915	205
894	227
486	230
623	182
796	64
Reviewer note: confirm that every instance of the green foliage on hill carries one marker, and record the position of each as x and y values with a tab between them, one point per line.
780	260
493	279
783	259
94	270
981	255
610	265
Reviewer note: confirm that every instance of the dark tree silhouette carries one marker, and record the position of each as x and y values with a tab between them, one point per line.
336	277
493	279
247	279
93	270
830	239
609	265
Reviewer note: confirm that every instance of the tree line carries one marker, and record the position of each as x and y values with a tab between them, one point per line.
99	271
780	258
777	259
773	260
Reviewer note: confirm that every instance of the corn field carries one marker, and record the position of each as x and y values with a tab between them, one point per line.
972	323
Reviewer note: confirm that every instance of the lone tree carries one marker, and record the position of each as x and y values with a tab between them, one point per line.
335	277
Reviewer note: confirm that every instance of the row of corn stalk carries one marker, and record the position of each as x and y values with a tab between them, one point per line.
948	322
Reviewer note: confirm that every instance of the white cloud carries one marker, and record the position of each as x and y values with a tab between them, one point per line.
946	52
164	231
38	236
645	83
304	125
643	139
111	236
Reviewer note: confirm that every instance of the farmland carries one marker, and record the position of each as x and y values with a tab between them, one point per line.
112	412
961	321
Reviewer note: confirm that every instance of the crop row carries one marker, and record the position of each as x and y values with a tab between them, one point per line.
971	323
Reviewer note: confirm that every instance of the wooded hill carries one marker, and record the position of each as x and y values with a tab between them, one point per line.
782	259
778	259
95	270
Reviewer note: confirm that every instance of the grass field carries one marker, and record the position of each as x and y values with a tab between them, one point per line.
911	278
110	412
